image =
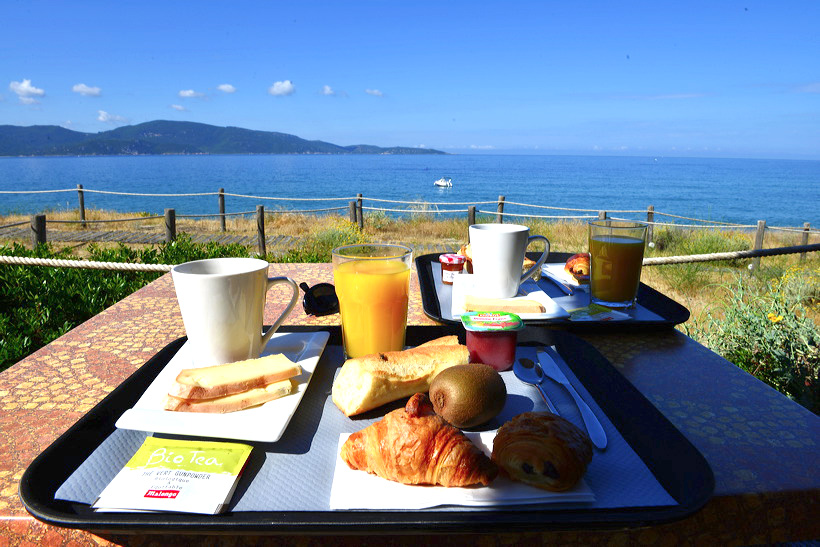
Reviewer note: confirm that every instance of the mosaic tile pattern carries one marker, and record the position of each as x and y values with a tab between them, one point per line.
759	444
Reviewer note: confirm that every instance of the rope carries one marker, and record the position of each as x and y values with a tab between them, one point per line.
13	225
417	211
286	199
103	221
35	191
90	264
731	255
110	192
534	216
656	261
567	208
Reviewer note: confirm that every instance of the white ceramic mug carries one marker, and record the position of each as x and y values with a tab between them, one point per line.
222	301
498	256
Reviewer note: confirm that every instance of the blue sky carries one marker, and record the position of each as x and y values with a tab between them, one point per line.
726	79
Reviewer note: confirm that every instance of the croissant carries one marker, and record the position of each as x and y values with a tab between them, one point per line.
542	449
413	445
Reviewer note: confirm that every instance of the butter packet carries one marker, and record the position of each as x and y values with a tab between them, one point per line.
596	312
176	475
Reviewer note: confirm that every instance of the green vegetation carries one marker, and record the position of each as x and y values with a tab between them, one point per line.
170	137
39	304
768	331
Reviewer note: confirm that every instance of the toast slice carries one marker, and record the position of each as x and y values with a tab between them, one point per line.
238	377
231	403
368	382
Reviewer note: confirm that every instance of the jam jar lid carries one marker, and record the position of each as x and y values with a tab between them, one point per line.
452	258
491	321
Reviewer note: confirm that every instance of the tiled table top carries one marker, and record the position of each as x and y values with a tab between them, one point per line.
762	447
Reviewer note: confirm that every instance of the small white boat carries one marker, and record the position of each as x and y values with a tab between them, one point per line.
445	183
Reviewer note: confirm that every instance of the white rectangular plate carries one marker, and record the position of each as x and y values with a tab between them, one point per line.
463	285
353	489
264	423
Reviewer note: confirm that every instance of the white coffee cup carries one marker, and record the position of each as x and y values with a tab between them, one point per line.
498	255
222	301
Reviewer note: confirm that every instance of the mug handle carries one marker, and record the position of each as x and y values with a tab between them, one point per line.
293	300
541	259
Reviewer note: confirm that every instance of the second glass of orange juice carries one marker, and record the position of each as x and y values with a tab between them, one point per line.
373	285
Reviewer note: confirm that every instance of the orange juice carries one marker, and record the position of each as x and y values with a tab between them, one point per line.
373	296
615	263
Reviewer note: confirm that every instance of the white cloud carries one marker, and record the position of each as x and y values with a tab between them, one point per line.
103	116
26	92
226	88
374	92
87	91
179	107
280	89
327	90
190	94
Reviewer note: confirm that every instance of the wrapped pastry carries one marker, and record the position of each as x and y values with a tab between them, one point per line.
542	449
414	445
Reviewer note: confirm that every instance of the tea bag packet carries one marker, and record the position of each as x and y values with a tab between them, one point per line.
176	475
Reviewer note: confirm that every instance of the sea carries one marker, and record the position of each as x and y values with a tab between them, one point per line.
784	193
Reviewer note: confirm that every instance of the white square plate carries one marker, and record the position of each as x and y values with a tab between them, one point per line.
264	423
463	285
556	270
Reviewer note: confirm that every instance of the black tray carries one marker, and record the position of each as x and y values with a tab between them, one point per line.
675	463
671	312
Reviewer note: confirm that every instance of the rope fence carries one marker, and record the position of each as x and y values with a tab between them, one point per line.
654	261
356	208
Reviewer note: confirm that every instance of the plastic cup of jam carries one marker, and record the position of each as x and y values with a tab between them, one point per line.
451	266
492	337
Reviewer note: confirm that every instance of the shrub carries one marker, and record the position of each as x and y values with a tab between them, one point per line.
39	304
318	247
771	333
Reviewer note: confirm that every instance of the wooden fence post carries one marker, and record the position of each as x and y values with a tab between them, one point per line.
761	230
650	219
260	230
170	225
601	215
81	196
804	240
470	215
38	230
360	215
222	208
352	211
499	216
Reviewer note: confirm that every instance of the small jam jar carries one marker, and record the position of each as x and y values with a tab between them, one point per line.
492	337
451	266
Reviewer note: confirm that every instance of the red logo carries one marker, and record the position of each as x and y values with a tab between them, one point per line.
170	494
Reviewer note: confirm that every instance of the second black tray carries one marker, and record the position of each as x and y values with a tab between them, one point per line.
670	312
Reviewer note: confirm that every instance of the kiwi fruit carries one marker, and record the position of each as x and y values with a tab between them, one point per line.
468	395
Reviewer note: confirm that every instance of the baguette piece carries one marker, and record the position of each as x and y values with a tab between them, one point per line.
238	377
512	305
231	403
368	382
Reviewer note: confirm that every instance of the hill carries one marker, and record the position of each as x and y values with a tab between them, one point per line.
169	137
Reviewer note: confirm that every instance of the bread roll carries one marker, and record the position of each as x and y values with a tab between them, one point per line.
542	449
365	383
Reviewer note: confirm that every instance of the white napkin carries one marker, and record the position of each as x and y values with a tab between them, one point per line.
360	490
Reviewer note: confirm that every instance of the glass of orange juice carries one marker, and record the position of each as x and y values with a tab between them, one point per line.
616	256
373	285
